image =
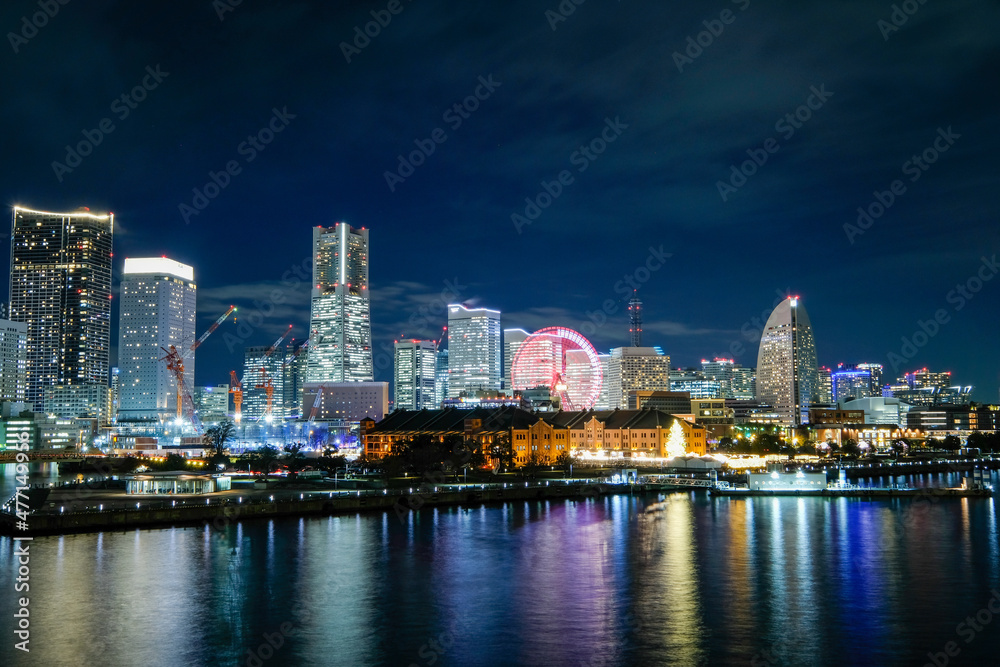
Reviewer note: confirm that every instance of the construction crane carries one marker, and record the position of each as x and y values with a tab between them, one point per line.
236	385
267	384
236	389
175	363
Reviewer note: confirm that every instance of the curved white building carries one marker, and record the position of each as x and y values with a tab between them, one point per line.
787	371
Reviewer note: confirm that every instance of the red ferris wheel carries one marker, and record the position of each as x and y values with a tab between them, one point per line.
562	360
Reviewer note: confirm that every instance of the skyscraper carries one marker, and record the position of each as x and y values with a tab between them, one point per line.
635	320
850	383
441	378
636	369
787	371
340	333
13	360
414	366
263	384
473	350
60	285
158	309
512	339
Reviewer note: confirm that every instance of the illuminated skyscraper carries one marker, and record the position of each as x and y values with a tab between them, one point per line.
441	378
414	368
263	374
473	350
787	371
13	360
512	339
158	300
636	369
340	333
60	285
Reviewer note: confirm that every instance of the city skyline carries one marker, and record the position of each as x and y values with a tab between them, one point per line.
328	149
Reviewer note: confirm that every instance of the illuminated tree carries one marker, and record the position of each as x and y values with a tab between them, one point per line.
676	444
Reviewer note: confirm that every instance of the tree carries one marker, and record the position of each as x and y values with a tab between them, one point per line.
264	460
676	443
532	464
726	444
565	461
294	458
901	446
331	460
851	448
952	442
216	438
502	453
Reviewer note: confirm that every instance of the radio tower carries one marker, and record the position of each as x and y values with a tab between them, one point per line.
635	320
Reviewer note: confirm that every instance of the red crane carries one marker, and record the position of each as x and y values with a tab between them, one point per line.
175	363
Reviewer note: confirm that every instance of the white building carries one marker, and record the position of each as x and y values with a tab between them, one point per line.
414	374
13	360
340	333
512	339
636	369
263	374
60	285
79	401
212	403
346	401
787	371
473	350
157	310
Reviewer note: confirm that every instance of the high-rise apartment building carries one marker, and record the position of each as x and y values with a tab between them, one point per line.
441	378
263	384
636	369
851	383
296	362
340	333
512	340
414	374
13	360
158	309
877	371
212	403
60	285
825	376
473	350
787	371
744	383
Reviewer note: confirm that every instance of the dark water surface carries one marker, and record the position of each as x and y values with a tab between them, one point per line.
683	579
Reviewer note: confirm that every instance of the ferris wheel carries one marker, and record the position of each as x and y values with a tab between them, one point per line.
562	360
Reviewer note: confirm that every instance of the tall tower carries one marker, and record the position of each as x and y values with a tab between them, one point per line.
473	350
635	320
158	309
263	374
787	371
414	370
512	339
340	332
60	285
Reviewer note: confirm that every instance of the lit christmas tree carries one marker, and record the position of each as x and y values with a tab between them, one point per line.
676	446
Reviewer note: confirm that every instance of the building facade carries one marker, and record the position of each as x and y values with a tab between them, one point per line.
512	340
263	384
158	309
636	369
60	286
340	333
414	375
787	371
13	361
473	350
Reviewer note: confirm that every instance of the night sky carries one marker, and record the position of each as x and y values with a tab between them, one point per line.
676	117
